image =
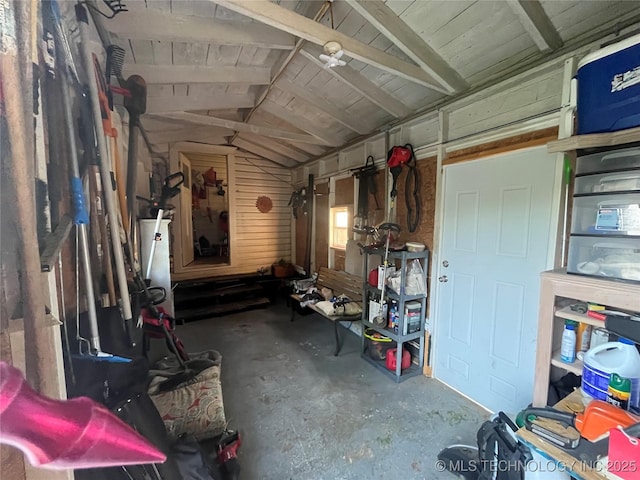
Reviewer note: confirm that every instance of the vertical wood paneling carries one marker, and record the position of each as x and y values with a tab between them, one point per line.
344	191
427	170
322	226
301	238
261	238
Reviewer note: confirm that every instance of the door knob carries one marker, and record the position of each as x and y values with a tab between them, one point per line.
445	264
443	279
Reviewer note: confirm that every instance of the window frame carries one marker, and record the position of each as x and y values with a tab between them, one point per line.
333	211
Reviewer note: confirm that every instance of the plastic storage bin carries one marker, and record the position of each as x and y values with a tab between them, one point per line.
609	161
628	181
614	214
609	88
616	258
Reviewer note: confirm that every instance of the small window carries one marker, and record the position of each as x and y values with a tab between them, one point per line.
340	226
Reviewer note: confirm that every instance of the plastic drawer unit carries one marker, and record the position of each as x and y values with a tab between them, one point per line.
612	214
609	161
627	181
616	258
605	220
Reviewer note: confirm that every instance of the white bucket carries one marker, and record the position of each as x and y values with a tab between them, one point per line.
600	362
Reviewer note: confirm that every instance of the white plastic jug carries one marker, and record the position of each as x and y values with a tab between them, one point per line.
619	357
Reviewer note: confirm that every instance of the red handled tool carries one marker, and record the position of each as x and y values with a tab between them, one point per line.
228	455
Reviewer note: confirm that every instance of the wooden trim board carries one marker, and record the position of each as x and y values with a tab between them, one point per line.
516	142
592	140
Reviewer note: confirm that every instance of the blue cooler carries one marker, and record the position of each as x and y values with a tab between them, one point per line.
609	88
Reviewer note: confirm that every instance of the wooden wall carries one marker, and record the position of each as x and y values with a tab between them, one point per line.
426	168
257	240
261	238
300	224
322	226
344	192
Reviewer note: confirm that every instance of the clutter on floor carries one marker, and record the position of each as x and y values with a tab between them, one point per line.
307	414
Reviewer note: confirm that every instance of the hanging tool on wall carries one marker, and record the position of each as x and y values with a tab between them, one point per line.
398	157
298	200
366	185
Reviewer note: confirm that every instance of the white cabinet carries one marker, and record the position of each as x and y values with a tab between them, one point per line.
160	269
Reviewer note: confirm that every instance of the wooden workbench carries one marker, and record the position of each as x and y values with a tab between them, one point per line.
569	463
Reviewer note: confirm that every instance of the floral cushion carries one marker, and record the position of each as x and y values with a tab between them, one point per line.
195	407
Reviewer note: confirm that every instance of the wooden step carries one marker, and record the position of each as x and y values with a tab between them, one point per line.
215	294
187	315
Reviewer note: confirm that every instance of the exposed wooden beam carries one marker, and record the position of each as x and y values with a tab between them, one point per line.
360	84
537	24
239	126
391	26
208	134
301	122
356	124
190	74
278	147
264	152
303	27
182	103
155	25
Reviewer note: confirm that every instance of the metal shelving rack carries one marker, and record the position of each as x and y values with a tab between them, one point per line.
401	257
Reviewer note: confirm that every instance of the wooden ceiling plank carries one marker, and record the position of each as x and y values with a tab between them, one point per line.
387	22
195	102
154	25
264	153
361	84
191	74
537	24
238	126
315	150
278	147
271	14
301	122
360	126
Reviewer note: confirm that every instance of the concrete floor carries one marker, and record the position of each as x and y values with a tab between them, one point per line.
307	415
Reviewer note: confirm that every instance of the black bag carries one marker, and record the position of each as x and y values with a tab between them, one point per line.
140	412
108	382
501	456
192	460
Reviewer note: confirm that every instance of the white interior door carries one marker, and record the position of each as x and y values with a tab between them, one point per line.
498	217
186	218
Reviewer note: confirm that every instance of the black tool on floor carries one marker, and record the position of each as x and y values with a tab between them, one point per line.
497	447
227	448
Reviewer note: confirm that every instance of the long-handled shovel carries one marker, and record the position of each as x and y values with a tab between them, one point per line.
136	105
112	211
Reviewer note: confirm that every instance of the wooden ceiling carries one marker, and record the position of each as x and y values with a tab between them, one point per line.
247	73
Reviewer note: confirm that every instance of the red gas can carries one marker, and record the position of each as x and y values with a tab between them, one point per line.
391	359
373	277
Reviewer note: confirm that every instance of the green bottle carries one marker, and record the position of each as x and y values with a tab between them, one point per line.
619	391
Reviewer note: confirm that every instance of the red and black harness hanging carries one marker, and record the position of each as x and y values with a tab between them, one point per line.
398	157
